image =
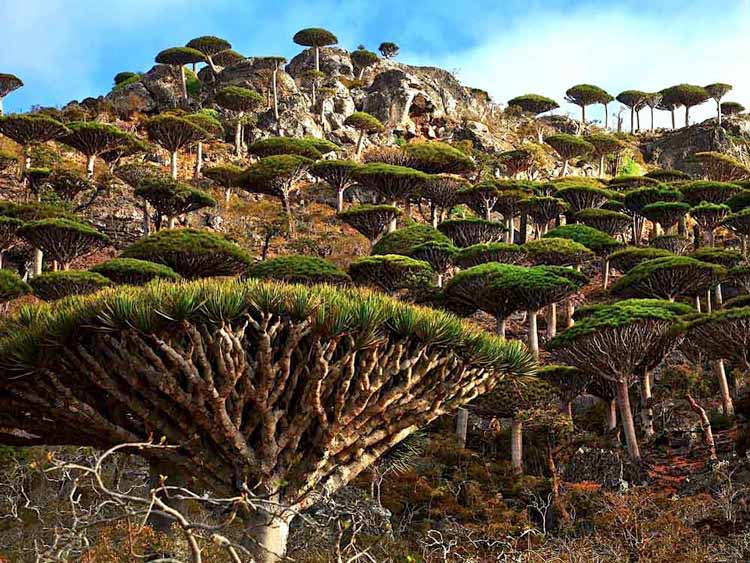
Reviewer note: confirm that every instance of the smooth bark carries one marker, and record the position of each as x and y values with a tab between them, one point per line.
533	336
551	321
516	446
727	405
462	426
647	411
626	416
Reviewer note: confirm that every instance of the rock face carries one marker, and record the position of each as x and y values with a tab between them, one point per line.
334	62
158	90
604	467
674	149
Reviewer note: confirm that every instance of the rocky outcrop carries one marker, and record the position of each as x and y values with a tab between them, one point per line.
334	62
674	149
604	467
158	90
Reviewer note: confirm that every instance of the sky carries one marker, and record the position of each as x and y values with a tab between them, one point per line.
70	49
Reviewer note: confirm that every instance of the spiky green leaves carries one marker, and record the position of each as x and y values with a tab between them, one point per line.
439	255
192	253
605	144
62	239
275	175
391	272
314	37
174	133
637	199
437	158
668	176
625	183
273	146
298	269
557	252
582	197
634	99
92	138
401	241
58	285
11	286
28	129
370	220
731	108
593	239
720	167
365	122
209	45
179	56
712	192
510	397
669	278
388	49
363	58
723	334
468	232
611	222
502	252
544	209
130	271
236	98
339	174
687	95
666	213
392	183
739	222
569	146
533	103
587	94
628	258
225	175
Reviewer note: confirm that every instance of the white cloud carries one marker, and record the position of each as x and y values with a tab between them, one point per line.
547	52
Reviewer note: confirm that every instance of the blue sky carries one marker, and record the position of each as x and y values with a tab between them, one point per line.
70	49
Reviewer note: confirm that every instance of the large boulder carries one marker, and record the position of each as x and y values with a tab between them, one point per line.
256	74
334	62
158	90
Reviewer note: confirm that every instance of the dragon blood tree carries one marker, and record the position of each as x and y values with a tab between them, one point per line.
556	252
177	58
207	120
635	100
439	255
390	183
569	381
510	204
717	91
442	192
298	269
171	199
516	161
273	146
391	273
28	130
726	258
388	49
227	58
543	210
489	252
604	145
468	232
676	244
481	198
362	58
316	38
731	108
666	214
584	95
719	167
403	240
339	174
597	241
9	237
130	271
173	134
613	223
91	139
688	96
667	176
739	224
278	176
699	191
708	216
370	220
225	176
533	104
652	100
627	183
669	278
276	63
365	124
192	253
626	259
8	83
240	101
210	46
722	335
294	391
617	343
508	400
63	240
568	147
636	199
51	286
579	198
434	157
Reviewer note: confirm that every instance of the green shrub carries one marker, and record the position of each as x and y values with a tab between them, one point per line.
391	272
130	271
11	285
557	251
593	239
298	269
668	278
502	252
57	285
273	146
401	241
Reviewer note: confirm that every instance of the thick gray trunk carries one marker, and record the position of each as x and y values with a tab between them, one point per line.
275	94
516	446
647	412
611	413
570	310
269	534
198	160
533	336
173	164
551	321
727	404
605	273
462	426
184	84
340	201
500	323
38	261
238	136
626	416
90	166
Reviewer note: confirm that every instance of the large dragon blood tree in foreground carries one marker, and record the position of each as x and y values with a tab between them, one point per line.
276	391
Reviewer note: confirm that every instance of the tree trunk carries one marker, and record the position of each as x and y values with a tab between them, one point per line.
647	412
238	136
687	116
682	227
564	170
727	405
339	200
718	296
632	121
516	446
90	166
583	115
533	336
38	262
359	142
523	228
601	166
718	111
184	85
709	306
173	164
555	483
638	120
708	435
511	231
198	160
275	93
570	310
2	257
500	323
606	117
1	106
269	534
611	413
551	321
289	216
674	123
317	59
652	118
605	273
626	416
171	221
146	221
227	194
698	303
462	426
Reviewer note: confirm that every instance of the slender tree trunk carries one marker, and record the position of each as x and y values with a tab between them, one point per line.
601	166
570	310
718	296
632	121
90	160
564	170
533	336
340	200
652	118
2	258
698	303
606	117
708	435
727	405
173	164
1	106
433	216
718	111
626	416
523	227
462	426
551	321
647	412
275	88
638	119
500	325
674	122
516	446
611	413
583	115
238	136
270	534
511	235
317	59
184	85
392	225
359	142
146	221
682	227
709	305
605	273
198	160
555	482
38	262
289	216
687	116
171	222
